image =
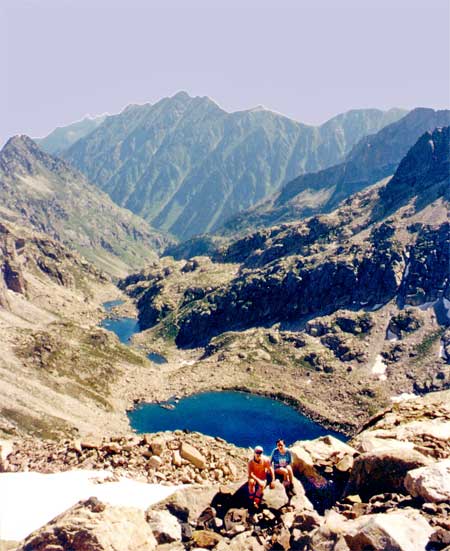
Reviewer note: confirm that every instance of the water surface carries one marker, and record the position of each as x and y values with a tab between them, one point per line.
124	328
156	358
238	417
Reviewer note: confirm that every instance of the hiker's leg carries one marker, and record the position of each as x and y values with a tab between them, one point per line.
251	489
290	474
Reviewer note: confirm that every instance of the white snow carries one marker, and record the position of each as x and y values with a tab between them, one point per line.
379	368
391	336
402	397
29	499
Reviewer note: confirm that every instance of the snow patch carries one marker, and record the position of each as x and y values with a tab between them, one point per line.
402	397
377	306
379	368
30	499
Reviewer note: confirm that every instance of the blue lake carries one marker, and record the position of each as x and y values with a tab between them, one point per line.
238	417
124	328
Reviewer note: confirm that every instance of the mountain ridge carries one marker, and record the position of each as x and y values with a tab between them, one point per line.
186	165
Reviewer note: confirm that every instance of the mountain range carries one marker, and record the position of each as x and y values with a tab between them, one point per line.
64	136
373	158
44	193
186	165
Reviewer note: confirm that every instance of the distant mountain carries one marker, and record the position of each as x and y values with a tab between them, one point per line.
186	165
373	158
45	193
63	137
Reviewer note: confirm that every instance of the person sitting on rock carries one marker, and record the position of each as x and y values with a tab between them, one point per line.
260	474
281	459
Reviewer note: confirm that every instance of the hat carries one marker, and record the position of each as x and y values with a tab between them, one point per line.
258	449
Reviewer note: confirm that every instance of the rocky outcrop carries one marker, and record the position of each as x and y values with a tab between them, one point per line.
290	289
426	164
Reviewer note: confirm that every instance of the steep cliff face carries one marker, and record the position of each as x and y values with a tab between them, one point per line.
186	165
44	193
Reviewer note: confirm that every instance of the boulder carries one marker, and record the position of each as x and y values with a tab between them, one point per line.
192	455
430	483
395	531
92	524
383	472
206	538
165	526
187	503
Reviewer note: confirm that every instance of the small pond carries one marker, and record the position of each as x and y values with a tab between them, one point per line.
238	417
124	328
110	304
156	358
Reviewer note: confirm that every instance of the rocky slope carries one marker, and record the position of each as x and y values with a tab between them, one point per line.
351	306
59	372
388	488
186	165
373	158
64	136
44	193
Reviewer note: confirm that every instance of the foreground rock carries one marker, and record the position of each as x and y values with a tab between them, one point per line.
397	531
430	483
92	525
357	507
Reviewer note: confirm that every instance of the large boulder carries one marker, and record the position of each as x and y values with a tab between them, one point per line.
395	531
383	472
192	455
431	483
93	525
326	450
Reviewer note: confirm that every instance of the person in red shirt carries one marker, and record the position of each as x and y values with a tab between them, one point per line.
260	474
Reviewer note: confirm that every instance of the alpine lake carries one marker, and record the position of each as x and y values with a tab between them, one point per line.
241	418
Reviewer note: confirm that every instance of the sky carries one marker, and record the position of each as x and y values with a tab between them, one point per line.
307	59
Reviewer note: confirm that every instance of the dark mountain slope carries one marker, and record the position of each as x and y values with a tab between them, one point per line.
186	165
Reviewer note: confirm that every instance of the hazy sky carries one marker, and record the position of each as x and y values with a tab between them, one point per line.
308	59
